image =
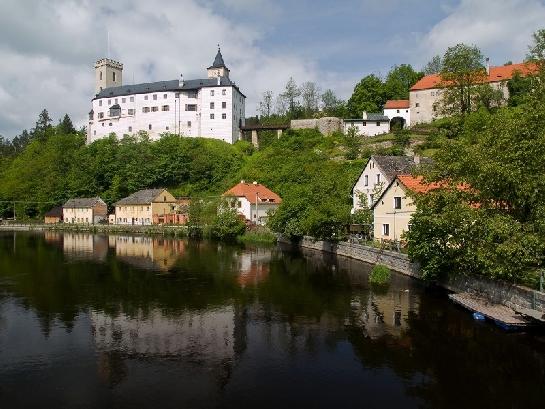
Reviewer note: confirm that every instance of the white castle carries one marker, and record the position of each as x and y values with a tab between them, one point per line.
212	107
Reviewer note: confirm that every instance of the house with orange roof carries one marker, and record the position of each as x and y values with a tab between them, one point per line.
398	108
254	201
426	93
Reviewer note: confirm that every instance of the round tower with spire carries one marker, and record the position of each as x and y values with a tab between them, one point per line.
218	68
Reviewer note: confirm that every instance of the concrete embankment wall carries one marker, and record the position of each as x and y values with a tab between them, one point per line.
97	228
516	297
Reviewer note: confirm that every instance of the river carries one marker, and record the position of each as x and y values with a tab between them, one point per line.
97	321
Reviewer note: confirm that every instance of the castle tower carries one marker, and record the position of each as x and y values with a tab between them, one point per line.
108	73
218	68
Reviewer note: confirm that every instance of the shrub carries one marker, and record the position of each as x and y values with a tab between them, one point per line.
380	275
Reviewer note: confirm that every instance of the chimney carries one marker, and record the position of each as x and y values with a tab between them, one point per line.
181	82
242	181
255	183
416	159
487	66
364	115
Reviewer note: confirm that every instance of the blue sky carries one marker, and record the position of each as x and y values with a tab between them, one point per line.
48	47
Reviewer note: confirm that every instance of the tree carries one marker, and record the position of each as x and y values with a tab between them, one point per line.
519	89
487	96
227	225
462	69
369	95
43	126
433	66
291	96
332	105
65	126
266	104
399	81
310	94
536	51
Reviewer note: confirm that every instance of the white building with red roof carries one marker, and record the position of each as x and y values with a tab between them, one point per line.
398	108
254	201
427	92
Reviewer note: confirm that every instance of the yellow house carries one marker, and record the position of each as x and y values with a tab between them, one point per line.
140	207
393	210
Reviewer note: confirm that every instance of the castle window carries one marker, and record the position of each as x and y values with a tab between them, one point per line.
100	115
115	101
154	109
165	96
91	115
131	111
101	75
131	99
224	105
378	123
211	116
94	132
102	123
145	110
165	108
155	97
99	102
166	128
109	102
190	107
223	91
113	76
123	100
130	128
211	92
211	105
223	116
149	127
364	123
189	124
145	97
110	124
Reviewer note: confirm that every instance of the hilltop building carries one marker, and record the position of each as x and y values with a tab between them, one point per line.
253	201
212	107
426	93
370	124
398	108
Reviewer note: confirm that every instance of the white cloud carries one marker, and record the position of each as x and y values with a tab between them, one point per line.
502	29
48	50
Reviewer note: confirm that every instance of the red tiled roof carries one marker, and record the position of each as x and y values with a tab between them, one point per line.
417	185
249	191
501	73
397	104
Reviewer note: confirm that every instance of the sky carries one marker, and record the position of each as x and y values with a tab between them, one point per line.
48	47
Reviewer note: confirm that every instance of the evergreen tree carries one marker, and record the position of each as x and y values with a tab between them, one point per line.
43	126
65	126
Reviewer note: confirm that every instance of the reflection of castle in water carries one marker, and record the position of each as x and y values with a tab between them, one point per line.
147	252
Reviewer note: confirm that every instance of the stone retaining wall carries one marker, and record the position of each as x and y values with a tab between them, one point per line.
518	298
326	125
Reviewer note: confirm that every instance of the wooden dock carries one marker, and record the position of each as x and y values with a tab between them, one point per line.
500	314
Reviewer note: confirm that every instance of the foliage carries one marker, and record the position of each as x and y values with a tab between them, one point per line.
258	235
369	95
352	143
399	81
227	224
362	215
331	105
519	88
380	275
434	66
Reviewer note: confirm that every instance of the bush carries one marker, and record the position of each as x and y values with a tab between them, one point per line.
227	225
380	275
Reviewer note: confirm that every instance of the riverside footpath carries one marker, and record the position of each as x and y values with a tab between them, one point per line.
522	300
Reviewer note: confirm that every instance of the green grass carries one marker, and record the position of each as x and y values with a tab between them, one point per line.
261	235
380	275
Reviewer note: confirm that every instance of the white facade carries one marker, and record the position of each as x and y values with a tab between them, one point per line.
368	125
371	183
404	113
209	108
259	213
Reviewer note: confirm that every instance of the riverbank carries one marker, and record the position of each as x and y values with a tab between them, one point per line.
521	299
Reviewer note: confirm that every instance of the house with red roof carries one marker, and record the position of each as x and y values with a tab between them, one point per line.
427	92
398	108
254	201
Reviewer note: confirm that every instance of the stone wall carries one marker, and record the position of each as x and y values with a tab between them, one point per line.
521	299
326	125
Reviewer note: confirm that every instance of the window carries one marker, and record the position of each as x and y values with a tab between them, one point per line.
192	94
115	101
91	115
397	202
165	96
189	124
211	116
131	99
123	100
94	132
110	124
398	111
165	108
130	128
378	123
100	115
145	110
101	75
366	180
224	92
145	97
113	76
155	97
211	92
115	111
149	127
154	109
166	127
102	123
417	104
223	116
385	229
224	105
190	107
99	102
109	102
211	105
364	123
407	111
177	95
378	178
130	111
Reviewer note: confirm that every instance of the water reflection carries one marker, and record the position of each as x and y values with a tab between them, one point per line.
146	322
